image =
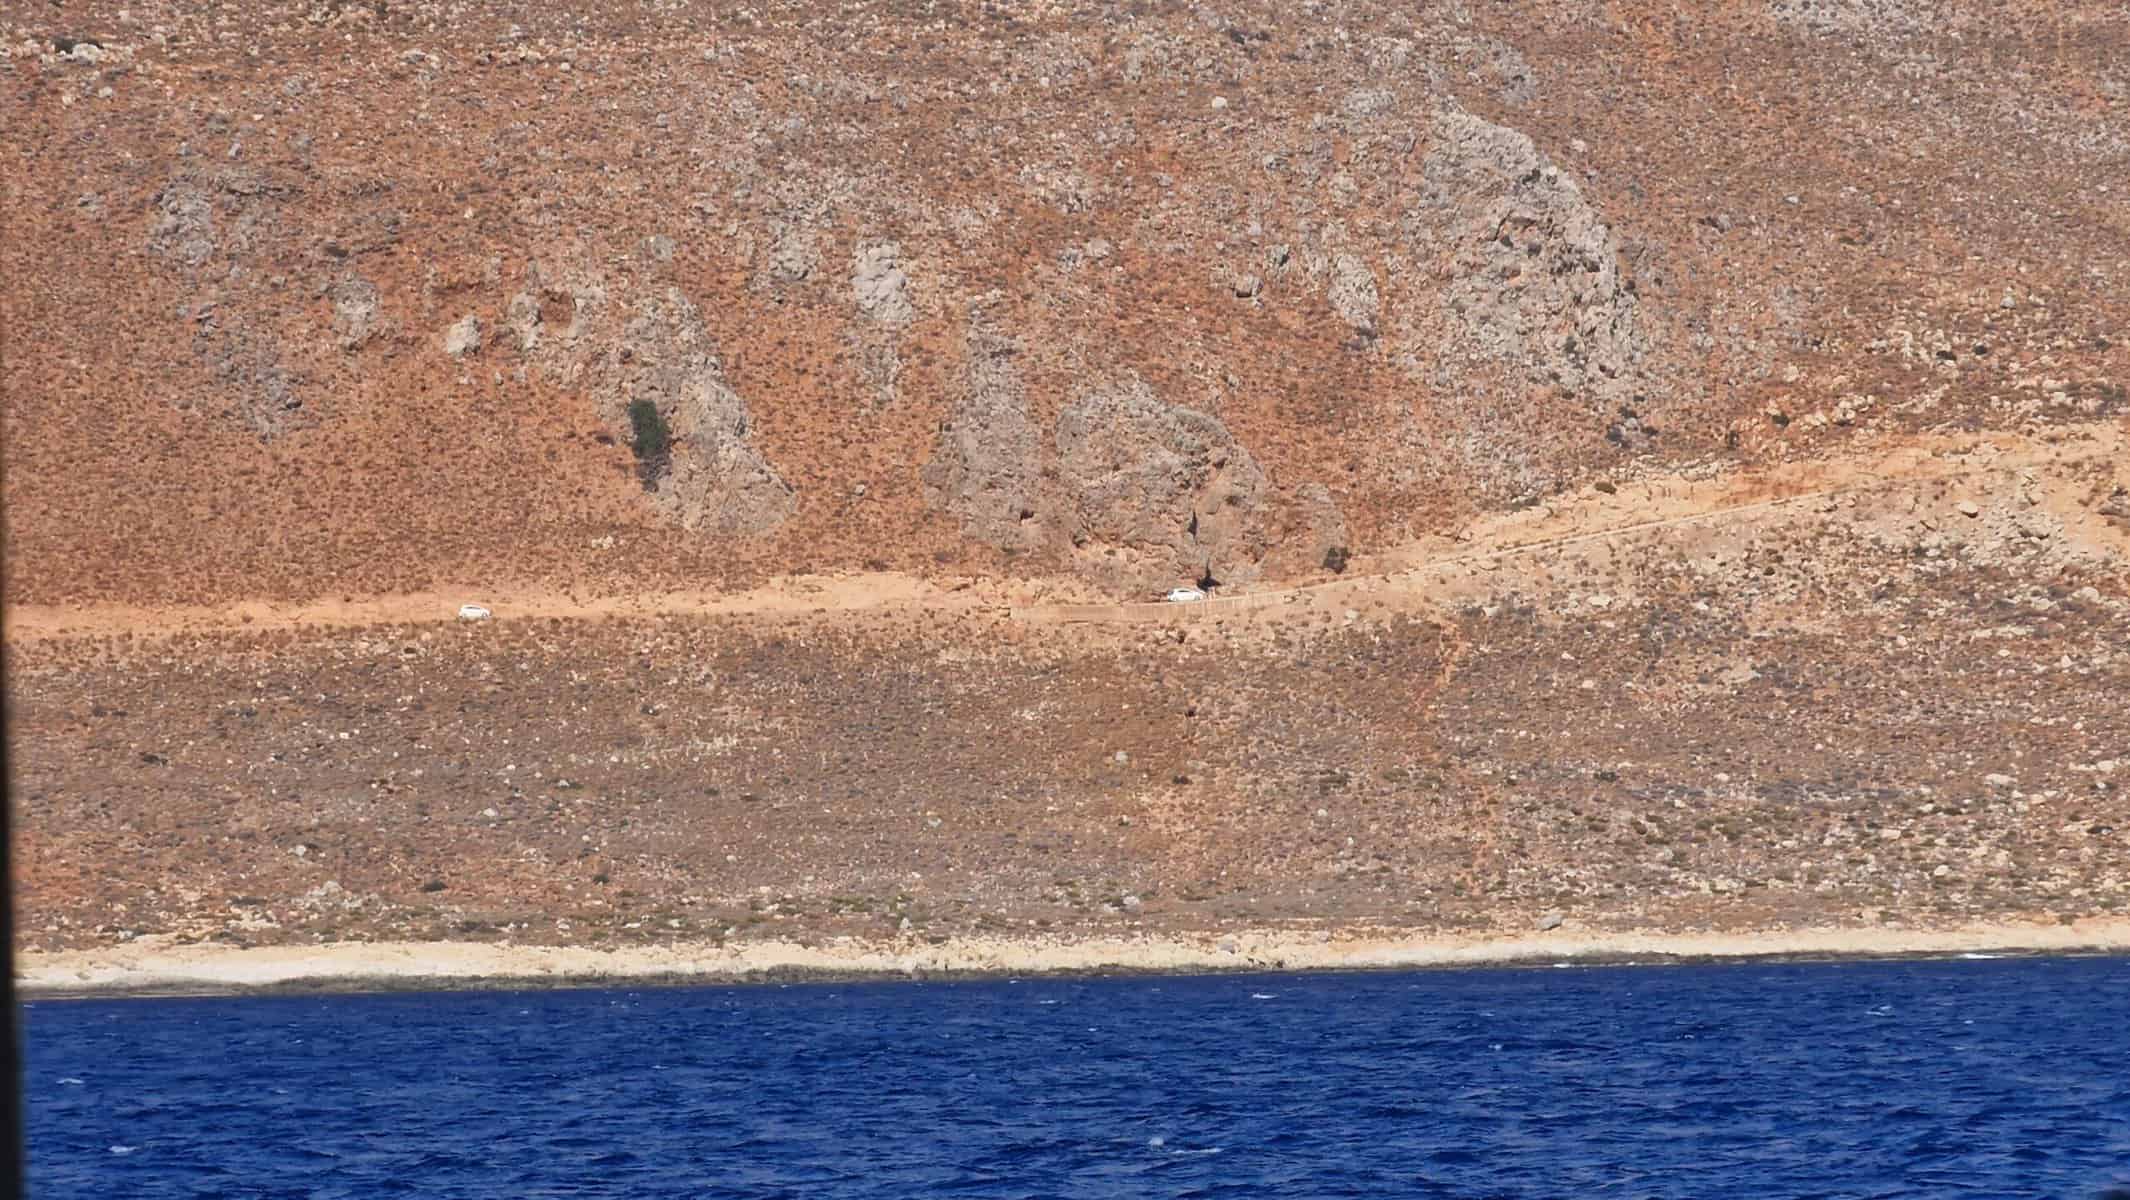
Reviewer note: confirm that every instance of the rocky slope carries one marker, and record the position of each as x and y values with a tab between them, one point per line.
1850	701
337	297
1669	466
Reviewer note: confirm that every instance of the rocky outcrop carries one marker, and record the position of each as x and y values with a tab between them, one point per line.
1132	493
205	229
715	480
1538	287
879	285
1533	326
463	338
986	466
881	290
355	316
1441	259
1156	493
1354	296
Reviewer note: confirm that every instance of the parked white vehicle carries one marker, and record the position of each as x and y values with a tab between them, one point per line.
1184	595
473	612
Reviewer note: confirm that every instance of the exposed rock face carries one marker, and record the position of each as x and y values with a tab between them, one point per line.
1441	259
1156	493
1535	326
522	318
355	319
1323	536
716	481
1539	288
792	256
259	393
986	466
1134	493
463	338
878	283
882	292
183	227
205	229
1353	294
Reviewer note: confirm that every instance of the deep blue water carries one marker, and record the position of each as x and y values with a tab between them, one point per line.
1977	1078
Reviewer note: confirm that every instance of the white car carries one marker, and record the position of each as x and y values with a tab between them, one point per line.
473	612
1184	595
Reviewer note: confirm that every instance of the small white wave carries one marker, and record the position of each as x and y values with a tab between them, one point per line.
1979	954
1263	995
1046	1002
1157	1141
124	1149
69	1081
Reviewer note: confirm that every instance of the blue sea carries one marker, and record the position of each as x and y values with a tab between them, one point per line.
1997	1078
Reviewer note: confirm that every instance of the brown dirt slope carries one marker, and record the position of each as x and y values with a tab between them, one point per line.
310	301
1664	468
1894	701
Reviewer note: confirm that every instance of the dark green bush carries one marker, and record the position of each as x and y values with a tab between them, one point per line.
652	437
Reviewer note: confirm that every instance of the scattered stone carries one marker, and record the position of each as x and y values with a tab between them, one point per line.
464	337
792	257
1969	508
1551	921
354	312
523	319
184	227
1353	294
1997	781
880	285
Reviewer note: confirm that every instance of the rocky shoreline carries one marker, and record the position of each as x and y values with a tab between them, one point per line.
151	967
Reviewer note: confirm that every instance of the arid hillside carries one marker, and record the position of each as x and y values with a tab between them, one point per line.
1659	467
335	299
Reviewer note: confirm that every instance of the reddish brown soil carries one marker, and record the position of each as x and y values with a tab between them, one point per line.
1420	285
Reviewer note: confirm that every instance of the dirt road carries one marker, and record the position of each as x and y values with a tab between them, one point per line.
2063	466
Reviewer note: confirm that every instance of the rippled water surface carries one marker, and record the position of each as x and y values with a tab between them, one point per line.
1978	1078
